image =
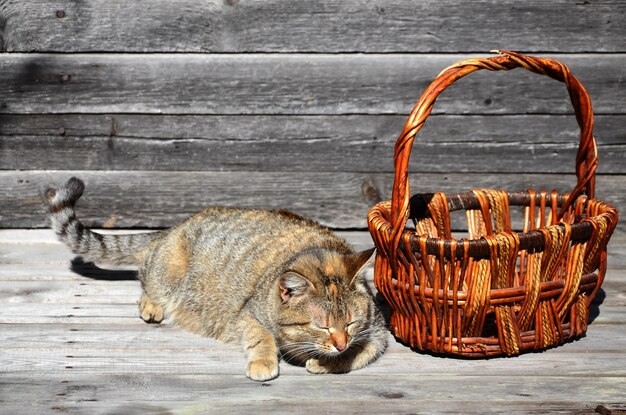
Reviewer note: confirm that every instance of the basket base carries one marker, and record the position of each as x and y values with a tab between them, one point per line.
475	347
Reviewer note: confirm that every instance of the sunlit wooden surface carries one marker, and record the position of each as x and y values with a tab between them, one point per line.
74	344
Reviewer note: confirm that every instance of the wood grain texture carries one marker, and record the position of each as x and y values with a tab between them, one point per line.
322	26
334	394
351	143
288	84
138	357
161	199
166	107
91	354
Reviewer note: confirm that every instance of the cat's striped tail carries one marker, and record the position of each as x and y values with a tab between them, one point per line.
94	247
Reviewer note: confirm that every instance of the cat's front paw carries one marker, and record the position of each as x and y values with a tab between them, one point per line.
150	311
315	366
262	369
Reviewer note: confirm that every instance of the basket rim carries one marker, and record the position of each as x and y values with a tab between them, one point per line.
479	248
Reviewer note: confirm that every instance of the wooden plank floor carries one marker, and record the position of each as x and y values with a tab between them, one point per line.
73	344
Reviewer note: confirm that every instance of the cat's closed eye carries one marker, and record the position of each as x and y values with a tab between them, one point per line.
295	323
325	328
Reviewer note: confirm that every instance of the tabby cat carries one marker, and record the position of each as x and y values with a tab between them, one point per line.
271	281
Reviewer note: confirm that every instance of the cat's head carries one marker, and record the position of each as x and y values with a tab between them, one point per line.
325	307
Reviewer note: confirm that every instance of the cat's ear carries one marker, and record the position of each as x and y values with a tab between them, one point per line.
292	284
356	263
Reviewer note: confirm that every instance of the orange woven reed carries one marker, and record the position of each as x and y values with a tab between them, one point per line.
498	291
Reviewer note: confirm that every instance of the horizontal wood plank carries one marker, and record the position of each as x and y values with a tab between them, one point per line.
333	394
287	84
94	340
323	26
286	406
493	144
43	272
85	291
70	312
140	394
146	357
160	199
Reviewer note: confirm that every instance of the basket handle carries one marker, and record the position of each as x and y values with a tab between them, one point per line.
586	158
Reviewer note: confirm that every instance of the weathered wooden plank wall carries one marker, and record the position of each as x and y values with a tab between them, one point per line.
165	107
321	26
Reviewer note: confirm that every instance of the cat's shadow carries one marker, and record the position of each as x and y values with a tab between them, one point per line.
90	270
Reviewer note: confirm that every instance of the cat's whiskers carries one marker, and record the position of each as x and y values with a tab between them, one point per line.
300	347
302	350
361	337
363	333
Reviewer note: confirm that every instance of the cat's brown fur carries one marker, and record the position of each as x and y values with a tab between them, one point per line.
269	280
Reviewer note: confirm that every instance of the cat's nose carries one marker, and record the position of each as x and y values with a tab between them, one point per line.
339	340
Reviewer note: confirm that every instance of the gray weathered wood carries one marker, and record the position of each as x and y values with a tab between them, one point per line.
533	128
69	312
92	354
92	341
161	199
167	107
147	356
42	272
322	26
82	291
516	143
287	84
338	394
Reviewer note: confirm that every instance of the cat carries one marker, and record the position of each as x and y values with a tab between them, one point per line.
272	281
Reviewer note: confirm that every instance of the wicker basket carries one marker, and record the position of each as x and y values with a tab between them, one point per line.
499	291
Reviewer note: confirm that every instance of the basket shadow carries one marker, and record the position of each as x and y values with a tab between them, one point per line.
384	307
594	307
90	270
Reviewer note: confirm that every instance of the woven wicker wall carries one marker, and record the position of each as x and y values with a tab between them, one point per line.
166	107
